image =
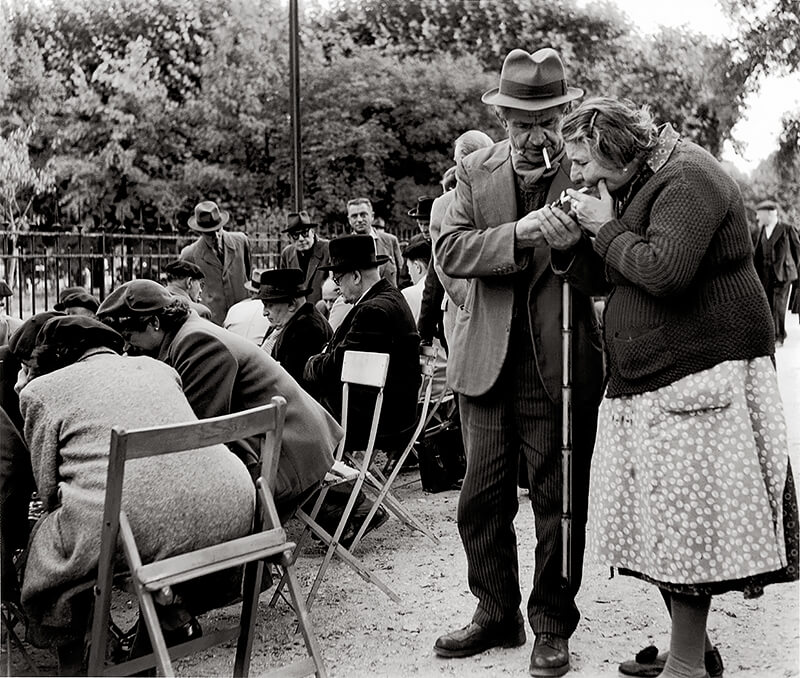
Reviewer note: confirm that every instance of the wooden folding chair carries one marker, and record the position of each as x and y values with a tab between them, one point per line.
266	543
365	369
383	484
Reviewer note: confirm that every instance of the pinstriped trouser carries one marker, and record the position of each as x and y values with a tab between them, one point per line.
516	414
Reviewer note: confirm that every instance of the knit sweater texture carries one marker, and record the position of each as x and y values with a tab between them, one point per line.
686	295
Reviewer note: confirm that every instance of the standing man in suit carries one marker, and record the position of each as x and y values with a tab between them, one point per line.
301	330
777	258
223	257
379	321
361	218
506	363
307	251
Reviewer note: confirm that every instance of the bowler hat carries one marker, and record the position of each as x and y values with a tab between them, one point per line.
532	82
282	284
419	247
352	253
82	299
67	330
184	269
298	221
423	209
208	217
5	290
770	205
255	279
23	341
137	297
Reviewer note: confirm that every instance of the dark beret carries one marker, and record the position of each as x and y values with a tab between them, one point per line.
184	269
137	297
83	299
70	329
23	341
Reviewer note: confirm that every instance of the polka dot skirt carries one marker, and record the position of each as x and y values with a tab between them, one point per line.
691	486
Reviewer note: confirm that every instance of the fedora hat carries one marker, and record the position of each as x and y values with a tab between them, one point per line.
352	253
770	205
255	279
298	221
208	217
419	247
282	284
423	209
532	82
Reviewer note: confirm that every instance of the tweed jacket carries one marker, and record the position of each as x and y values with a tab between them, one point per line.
223	373
304	335
320	256
477	243
174	502
224	282
380	322
777	258
389	245
686	294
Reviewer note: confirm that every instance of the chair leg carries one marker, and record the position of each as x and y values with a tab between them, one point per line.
150	616
303	619
251	588
12	639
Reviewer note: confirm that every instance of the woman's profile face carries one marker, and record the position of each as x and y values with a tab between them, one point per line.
146	341
587	171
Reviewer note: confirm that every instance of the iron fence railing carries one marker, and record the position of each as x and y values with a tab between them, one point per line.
38	264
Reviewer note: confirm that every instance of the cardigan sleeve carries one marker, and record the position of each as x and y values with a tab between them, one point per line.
683	218
42	438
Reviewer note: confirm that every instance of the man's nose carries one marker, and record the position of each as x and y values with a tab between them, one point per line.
575	175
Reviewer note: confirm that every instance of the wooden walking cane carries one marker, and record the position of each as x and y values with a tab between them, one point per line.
566	433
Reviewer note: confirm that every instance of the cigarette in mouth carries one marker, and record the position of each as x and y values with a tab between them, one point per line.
546	158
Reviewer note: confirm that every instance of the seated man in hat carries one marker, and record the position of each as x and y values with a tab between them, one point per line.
223	373
185	280
246	318
223	257
380	321
307	251
77	301
298	329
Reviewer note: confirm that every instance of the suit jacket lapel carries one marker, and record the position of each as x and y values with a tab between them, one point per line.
560	182
314	261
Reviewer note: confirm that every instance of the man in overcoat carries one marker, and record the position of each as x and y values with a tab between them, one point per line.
307	251
302	329
380	321
777	259
506	364
224	258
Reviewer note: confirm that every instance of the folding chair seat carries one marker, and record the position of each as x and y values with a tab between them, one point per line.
267	543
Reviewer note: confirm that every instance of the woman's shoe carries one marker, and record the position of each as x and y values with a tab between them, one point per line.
649	663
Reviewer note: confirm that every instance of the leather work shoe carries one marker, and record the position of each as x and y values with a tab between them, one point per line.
550	656
474	638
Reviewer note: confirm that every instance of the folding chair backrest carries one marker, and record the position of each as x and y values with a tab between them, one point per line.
363	368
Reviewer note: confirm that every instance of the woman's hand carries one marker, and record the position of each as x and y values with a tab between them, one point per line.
592	212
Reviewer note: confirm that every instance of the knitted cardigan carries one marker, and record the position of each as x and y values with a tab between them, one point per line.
685	292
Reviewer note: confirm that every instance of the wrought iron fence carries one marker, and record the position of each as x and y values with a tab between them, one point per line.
38	264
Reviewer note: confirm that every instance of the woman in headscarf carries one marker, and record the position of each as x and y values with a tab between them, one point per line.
691	485
79	387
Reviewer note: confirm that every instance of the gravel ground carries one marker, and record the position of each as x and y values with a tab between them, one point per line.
365	634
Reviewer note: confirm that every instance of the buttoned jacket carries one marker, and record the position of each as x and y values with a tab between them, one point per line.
319	256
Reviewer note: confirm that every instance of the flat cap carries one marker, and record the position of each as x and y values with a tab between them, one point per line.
82	299
136	297
71	329
184	269
23	341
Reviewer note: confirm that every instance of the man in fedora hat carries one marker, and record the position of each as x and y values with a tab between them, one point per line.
777	259
379	321
361	218
307	251
186	280
300	329
246	318
223	257
506	364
